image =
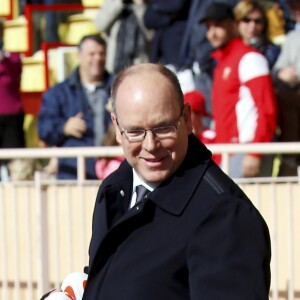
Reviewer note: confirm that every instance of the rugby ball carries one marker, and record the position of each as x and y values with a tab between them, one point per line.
74	284
58	296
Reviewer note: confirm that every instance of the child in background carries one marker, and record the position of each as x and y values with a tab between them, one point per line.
105	166
197	102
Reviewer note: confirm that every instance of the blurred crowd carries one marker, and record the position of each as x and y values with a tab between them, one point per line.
238	63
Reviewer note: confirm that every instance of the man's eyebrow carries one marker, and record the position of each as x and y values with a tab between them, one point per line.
159	124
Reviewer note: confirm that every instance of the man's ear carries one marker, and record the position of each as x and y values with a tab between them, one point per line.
187	116
117	129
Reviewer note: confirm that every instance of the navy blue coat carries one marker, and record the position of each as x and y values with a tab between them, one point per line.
197	236
61	102
168	19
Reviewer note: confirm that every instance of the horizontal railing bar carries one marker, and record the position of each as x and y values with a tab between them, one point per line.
106	151
112	151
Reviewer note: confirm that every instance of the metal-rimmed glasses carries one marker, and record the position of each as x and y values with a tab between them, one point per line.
162	132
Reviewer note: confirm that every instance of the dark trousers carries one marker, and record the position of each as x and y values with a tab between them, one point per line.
11	131
289	123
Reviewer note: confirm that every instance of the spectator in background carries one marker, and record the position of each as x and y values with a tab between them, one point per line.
242	93
195	50
286	75
253	28
73	112
168	19
106	165
11	110
276	22
197	102
128	39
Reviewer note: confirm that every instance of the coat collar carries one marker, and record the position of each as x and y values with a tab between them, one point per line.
174	194
221	53
171	195
74	79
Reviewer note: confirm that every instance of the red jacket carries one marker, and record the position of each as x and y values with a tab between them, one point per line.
242	95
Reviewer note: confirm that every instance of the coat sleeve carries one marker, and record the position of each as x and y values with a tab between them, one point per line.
161	13
51	119
229	254
263	95
107	14
284	58
254	74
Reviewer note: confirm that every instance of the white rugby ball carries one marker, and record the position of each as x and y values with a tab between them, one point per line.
74	284
58	296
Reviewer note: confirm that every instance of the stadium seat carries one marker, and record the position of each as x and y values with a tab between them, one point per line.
92	3
15	35
78	26
33	73
5	8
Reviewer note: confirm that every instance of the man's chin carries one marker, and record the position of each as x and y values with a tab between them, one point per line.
154	177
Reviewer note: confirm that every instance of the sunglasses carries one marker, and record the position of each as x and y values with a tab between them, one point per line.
257	21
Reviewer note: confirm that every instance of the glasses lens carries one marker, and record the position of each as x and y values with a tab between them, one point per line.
135	135
164	132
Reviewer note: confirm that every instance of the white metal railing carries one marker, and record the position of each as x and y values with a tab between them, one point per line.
45	226
82	152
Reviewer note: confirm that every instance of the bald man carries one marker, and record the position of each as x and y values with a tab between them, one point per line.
193	234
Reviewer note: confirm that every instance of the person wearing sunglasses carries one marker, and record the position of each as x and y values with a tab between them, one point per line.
253	28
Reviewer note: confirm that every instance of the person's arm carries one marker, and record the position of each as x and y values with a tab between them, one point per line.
55	123
107	14
254	73
283	59
229	254
139	11
259	82
284	70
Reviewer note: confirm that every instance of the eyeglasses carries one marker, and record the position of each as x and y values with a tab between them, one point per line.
162	132
257	21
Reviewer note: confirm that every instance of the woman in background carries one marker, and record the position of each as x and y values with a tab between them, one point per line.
253	28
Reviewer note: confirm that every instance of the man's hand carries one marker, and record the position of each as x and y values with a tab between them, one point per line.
288	75
75	126
251	166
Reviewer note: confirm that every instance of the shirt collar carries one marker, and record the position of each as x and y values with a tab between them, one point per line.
138	181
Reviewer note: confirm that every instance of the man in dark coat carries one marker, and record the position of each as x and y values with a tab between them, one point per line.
195	235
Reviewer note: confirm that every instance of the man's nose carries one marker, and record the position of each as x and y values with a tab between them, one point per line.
150	142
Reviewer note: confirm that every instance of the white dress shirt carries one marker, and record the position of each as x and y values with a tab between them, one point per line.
138	181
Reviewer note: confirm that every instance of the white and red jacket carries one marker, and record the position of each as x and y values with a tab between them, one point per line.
243	100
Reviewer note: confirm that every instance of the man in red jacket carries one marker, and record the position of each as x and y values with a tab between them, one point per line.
242	93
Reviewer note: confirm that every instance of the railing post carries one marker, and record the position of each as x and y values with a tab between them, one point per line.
225	162
80	169
42	237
